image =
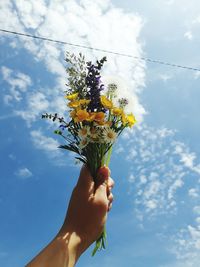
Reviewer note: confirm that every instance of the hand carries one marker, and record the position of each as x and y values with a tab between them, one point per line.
88	207
84	222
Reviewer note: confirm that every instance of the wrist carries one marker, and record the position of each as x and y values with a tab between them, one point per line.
71	245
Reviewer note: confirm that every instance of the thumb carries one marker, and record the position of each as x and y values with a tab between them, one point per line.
102	181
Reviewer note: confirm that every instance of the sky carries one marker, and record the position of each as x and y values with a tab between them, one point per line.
155	219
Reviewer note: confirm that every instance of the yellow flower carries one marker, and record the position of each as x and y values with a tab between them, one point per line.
73	114
84	101
91	116
96	116
73	104
130	119
106	102
123	117
117	111
72	96
99	116
81	115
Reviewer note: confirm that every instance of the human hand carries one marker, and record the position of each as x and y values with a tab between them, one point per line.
84	222
87	210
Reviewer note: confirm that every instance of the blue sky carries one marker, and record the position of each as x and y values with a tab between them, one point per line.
155	219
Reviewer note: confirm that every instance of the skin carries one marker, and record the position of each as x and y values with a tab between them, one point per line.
86	215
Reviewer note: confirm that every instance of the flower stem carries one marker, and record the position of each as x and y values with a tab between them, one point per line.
101	242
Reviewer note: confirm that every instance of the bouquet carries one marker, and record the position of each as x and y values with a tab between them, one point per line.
96	117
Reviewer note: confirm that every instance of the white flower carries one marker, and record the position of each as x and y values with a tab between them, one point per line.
94	133
83	143
84	132
109	135
114	83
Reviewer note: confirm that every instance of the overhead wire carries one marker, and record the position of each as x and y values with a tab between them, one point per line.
101	50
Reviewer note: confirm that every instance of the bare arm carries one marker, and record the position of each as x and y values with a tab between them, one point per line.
84	222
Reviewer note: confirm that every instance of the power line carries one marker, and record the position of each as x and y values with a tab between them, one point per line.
101	50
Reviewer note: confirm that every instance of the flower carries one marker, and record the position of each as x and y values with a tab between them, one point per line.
81	115
123	118
117	111
94	85
99	116
73	104
72	114
94	133
123	102
111	90
84	101
109	135
72	96
83	143
106	102
91	116
83	132
130	119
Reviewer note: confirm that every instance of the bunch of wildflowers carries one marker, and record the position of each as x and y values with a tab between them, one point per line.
95	122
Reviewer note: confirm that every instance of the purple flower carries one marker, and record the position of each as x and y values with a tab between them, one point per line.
94	85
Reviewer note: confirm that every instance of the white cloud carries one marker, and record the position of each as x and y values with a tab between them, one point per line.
80	23
162	166
50	146
187	246
37	104
193	192
165	77
18	82
23	173
187	158
188	35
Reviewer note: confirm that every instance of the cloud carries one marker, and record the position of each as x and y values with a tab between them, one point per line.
91	23
50	147
165	77
23	173
163	179
49	144
36	105
187	245
18	83
193	192
80	23
159	169
188	35
187	158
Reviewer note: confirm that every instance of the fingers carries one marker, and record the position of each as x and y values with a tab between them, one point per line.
102	182
110	200
85	179
110	185
103	185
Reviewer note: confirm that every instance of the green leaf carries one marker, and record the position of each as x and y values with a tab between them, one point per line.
58	132
81	159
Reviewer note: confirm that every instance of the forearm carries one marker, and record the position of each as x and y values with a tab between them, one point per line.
62	251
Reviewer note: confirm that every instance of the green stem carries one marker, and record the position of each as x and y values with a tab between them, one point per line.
101	242
108	156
